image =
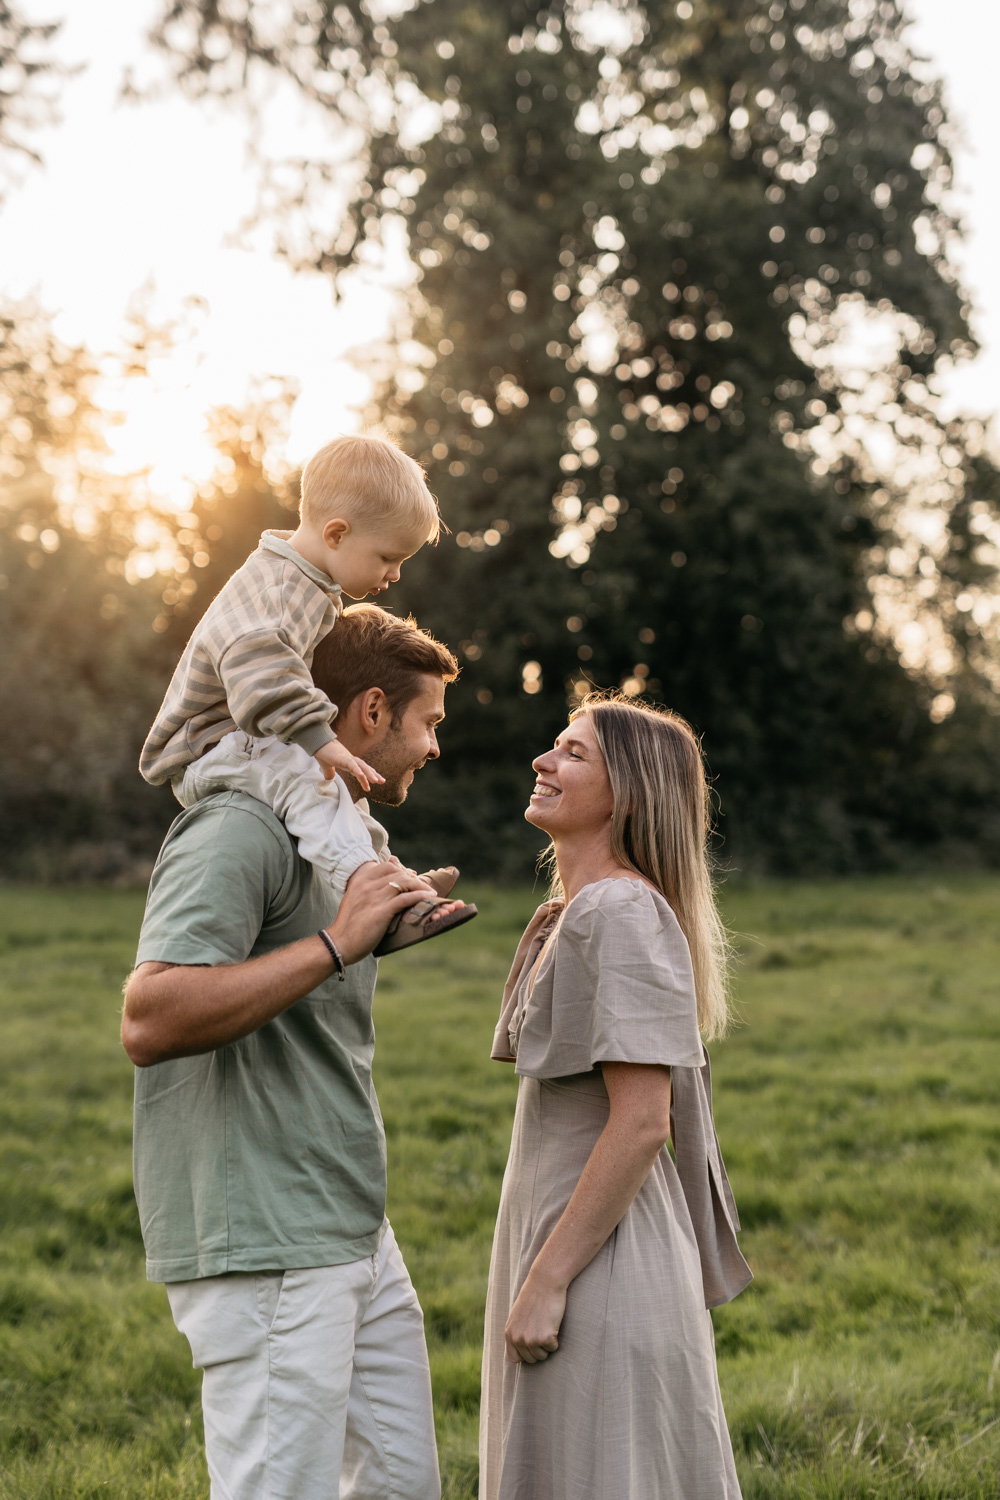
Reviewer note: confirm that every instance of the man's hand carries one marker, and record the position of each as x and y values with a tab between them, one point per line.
334	757
374	894
178	1010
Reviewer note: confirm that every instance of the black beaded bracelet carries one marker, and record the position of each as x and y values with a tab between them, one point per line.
334	952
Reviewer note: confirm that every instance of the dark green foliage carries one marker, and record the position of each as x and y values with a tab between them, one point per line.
745	179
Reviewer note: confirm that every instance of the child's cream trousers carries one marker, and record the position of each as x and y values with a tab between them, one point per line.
334	833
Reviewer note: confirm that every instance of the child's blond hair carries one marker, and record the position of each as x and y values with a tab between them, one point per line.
367	480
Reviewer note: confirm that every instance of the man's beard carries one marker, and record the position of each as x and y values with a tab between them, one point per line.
395	766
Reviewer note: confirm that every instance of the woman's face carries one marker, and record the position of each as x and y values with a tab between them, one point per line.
572	792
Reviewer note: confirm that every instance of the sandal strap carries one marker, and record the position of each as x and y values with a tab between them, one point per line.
422	909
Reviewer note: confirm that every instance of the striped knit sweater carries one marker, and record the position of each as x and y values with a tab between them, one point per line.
247	664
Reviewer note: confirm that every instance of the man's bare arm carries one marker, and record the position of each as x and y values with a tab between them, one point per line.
178	1010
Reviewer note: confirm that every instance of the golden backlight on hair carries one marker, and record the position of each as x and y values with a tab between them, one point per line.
660	826
370	482
373	648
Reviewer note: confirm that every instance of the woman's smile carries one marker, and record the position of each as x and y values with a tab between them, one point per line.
572	774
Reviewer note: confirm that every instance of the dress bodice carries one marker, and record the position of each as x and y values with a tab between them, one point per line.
615	984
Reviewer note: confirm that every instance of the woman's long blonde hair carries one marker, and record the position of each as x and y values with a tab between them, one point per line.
660	826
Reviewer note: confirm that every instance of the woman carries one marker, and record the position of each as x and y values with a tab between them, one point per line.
599	1378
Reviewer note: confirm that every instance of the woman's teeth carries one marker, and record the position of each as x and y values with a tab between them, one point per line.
545	791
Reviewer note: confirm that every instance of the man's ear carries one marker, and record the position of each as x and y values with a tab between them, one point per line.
335	530
374	713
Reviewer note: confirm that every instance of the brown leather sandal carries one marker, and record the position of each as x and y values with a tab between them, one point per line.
443	879
415	925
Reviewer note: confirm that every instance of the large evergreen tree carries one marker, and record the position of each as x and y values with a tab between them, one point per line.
633	251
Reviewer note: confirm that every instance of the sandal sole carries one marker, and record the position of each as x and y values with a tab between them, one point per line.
388	945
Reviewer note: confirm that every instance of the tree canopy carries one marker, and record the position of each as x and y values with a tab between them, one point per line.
651	251
644	239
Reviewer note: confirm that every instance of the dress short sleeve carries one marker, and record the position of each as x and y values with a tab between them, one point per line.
614	985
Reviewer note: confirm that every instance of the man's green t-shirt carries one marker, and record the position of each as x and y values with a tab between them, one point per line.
269	1153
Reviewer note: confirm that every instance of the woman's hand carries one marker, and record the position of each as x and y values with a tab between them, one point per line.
638	1124
532	1331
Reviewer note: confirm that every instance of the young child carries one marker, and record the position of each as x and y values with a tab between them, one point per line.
242	711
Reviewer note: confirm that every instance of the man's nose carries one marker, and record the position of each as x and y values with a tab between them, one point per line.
433	753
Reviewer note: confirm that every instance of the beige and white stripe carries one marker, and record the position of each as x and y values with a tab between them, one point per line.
247	664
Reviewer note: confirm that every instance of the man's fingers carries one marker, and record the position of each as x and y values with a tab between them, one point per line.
405	880
404	900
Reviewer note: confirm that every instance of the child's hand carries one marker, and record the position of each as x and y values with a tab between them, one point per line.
334	757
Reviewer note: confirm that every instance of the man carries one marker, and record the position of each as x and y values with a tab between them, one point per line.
259	1151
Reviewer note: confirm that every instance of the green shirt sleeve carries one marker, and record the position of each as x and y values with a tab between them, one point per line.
225	866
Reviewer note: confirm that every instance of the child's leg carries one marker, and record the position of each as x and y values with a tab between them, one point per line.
331	833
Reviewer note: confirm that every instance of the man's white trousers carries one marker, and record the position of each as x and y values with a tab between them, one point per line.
316	1383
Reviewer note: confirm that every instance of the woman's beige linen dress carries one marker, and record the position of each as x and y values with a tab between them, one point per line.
628	1407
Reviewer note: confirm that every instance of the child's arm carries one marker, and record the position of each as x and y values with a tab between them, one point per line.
270	691
264	701
333	757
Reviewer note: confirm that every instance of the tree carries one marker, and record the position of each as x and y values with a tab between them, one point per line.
635	258
92	633
27	91
80	658
226	516
91	630
71	674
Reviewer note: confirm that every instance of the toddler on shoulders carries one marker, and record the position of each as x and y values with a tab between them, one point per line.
242	711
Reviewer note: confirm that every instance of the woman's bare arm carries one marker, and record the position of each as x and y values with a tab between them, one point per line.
178	1010
638	1125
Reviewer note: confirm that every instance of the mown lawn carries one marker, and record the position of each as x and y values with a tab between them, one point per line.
858	1110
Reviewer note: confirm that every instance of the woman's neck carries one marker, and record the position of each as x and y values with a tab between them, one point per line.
583	858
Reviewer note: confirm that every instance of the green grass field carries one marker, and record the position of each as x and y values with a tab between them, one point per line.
857	1105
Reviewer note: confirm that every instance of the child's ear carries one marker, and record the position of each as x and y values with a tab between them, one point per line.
335	530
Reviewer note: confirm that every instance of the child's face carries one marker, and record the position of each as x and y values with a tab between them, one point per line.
366	562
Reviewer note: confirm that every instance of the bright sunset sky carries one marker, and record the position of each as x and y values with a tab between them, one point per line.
153	195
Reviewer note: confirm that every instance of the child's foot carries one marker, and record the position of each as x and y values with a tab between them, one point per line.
443	879
418	922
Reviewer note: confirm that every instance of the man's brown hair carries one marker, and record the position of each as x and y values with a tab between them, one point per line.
368	647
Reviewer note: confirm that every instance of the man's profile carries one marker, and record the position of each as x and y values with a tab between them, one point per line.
259	1151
